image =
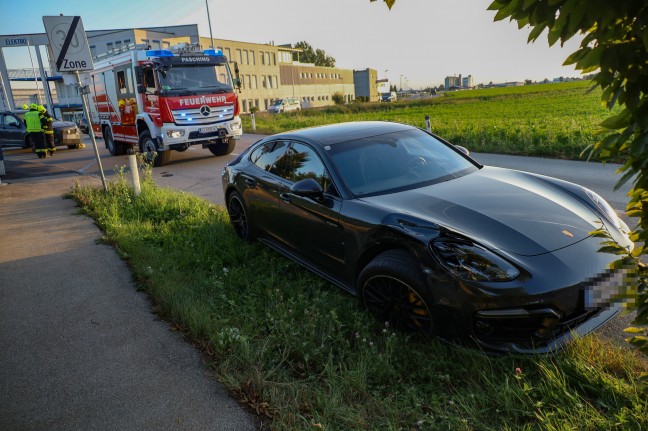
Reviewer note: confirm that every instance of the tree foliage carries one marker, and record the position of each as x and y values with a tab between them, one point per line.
311	55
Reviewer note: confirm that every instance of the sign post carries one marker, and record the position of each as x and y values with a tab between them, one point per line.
69	46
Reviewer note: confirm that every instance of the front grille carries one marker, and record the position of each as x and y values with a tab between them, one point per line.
529	327
217	114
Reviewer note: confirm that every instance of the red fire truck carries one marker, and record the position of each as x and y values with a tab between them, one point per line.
161	100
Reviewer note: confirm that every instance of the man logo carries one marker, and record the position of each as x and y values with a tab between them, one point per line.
205	111
568	233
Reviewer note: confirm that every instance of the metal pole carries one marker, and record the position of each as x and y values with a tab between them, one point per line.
209	21
253	122
428	126
31	59
46	87
84	92
6	82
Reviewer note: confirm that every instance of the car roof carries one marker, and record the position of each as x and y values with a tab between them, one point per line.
342	132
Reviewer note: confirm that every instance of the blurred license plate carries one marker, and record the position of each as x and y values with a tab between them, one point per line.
208	129
602	292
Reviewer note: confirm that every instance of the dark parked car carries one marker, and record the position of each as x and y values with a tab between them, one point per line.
427	237
14	133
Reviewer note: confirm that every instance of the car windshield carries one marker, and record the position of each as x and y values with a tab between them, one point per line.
277	102
396	161
187	80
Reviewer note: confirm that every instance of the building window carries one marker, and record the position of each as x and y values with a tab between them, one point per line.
227	53
274	59
239	54
246	57
118	46
165	44
249	82
156	44
93	51
127	42
252	61
264	81
245	109
109	47
254	82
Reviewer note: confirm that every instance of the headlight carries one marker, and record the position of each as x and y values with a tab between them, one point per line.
175	133
605	208
472	262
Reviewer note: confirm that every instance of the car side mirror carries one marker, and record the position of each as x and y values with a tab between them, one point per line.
308	188
463	149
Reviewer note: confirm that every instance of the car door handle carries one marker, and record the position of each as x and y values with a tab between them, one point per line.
250	182
285	197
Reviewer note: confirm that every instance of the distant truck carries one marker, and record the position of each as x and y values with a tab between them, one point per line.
166	99
388	97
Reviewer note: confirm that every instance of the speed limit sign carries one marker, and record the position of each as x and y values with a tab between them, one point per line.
68	42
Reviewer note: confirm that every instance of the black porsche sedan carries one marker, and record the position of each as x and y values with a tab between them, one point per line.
427	237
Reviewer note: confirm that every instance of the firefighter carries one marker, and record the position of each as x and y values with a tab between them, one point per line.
48	129
35	130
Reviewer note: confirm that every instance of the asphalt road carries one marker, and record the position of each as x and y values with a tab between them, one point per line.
197	171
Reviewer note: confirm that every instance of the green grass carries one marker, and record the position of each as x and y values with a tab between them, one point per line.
550	120
302	352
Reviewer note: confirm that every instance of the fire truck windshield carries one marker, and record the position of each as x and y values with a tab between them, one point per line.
196	79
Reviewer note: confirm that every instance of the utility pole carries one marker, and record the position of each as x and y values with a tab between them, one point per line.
211	37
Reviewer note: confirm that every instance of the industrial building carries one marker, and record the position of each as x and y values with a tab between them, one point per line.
267	71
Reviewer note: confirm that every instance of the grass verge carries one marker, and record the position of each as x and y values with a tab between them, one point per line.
301	352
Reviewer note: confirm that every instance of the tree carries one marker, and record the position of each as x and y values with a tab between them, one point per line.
615	46
310	55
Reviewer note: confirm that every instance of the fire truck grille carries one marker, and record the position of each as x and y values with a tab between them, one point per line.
215	114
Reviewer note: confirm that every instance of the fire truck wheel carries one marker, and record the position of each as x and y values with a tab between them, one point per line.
114	148
150	152
222	149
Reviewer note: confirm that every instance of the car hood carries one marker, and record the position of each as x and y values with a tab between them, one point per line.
500	208
63	124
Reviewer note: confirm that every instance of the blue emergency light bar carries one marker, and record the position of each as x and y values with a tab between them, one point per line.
215	52
159	53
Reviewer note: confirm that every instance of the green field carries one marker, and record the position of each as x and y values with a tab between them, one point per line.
304	355
550	120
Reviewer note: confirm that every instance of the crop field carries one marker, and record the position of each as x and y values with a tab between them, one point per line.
551	120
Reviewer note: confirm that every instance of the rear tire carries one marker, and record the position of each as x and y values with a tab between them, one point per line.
114	148
393	288
222	149
238	215
150	152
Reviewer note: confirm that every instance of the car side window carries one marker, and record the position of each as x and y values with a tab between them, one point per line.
306	163
10	120
270	156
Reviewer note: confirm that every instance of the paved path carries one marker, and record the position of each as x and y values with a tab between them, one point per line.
80	348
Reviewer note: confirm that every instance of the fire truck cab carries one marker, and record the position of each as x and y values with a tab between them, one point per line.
159	100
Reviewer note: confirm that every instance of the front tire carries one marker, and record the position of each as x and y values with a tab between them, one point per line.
392	287
114	148
222	149
149	149
238	215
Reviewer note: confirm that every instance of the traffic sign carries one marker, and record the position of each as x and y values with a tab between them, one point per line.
68	43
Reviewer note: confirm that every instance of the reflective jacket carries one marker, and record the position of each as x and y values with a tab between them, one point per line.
32	121
46	123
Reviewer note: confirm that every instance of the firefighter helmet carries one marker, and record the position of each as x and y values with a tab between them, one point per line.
25	106
33	106
41	108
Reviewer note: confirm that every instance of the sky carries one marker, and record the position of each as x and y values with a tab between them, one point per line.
417	44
